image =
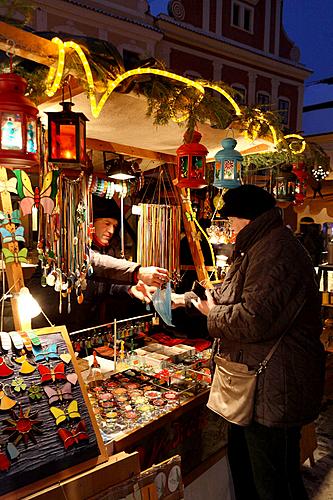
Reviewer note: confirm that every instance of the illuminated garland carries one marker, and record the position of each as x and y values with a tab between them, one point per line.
56	73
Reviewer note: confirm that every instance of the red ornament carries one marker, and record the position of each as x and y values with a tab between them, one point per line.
191	163
302	175
18	123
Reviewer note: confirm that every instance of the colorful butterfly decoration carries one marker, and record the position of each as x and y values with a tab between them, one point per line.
34	197
8	186
20	256
14	218
45	354
59	393
71	437
61	415
11	236
48	375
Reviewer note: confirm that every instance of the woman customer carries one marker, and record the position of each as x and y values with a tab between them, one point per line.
271	279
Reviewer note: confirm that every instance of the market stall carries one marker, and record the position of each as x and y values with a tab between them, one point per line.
114	389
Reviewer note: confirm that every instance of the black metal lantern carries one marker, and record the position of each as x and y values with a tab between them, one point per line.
67	136
285	184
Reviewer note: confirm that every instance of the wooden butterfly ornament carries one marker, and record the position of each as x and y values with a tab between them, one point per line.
10	234
14	218
34	197
74	436
60	415
8	186
16	256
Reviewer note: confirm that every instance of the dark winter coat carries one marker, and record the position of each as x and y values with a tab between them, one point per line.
271	276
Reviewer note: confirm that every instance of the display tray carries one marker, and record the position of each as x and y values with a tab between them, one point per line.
48	431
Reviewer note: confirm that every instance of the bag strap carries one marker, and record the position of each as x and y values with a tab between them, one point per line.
263	364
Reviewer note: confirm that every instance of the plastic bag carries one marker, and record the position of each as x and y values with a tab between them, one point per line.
162	304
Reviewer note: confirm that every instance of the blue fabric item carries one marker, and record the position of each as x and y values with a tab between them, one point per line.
162	304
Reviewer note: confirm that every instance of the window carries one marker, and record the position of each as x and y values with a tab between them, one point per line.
263	99
240	96
284	110
242	16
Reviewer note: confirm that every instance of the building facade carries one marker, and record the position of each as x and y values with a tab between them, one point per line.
241	43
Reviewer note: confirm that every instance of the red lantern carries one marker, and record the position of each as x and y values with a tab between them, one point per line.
191	163
18	123
302	175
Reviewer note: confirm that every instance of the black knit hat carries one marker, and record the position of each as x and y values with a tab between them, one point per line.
105	208
246	202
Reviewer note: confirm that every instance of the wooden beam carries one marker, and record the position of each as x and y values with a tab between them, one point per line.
113	147
27	45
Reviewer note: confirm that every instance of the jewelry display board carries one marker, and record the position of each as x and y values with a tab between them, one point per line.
47	428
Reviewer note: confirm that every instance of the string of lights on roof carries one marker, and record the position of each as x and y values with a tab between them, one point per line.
55	75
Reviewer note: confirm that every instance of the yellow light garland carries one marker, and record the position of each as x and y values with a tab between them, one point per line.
299	138
55	76
226	95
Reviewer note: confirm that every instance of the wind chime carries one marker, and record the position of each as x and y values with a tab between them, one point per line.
64	254
159	229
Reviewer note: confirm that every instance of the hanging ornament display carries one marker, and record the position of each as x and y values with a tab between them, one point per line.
18	124
302	175
63	254
159	236
227	165
191	163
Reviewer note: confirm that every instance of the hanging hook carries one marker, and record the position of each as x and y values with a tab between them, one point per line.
10	52
66	83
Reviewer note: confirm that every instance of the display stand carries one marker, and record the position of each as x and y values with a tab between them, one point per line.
54	434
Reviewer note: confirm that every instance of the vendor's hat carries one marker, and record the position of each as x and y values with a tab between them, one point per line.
246	202
105	208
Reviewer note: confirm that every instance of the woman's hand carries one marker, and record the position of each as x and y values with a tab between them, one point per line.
204	306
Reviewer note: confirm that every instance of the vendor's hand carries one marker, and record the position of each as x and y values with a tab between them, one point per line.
154	276
142	292
204	306
177	300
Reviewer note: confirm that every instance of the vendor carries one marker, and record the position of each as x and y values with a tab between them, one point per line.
116	288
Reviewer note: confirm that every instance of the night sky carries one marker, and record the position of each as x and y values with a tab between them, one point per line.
309	23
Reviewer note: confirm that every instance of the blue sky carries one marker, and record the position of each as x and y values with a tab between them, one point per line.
309	23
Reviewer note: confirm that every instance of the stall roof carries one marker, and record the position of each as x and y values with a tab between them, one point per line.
124	121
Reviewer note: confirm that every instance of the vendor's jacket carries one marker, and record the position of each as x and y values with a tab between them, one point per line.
270	281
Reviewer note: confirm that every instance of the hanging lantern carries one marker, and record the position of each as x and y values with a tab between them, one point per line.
302	175
191	163
18	118
227	165
285	184
67	136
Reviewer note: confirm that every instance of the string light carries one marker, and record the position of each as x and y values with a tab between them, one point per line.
301	148
55	76
319	173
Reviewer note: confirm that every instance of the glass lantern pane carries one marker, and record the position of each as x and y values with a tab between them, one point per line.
31	136
229	171
197	167
11	131
218	170
63	141
82	144
184	166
